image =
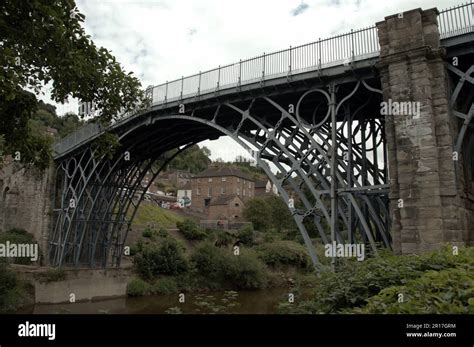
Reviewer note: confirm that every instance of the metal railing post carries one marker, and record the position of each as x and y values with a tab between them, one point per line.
240	73
166	94
218	77
352	46
182	85
289	66
199	84
263	68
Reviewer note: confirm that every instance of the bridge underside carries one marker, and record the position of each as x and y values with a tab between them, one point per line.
327	141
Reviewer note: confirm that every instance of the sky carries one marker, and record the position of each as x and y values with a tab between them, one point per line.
162	40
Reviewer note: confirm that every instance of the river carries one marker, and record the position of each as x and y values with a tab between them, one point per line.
244	302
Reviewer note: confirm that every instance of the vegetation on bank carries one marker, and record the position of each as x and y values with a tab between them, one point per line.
435	282
149	214
18	236
14	293
219	260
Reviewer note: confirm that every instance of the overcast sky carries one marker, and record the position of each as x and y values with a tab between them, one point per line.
163	40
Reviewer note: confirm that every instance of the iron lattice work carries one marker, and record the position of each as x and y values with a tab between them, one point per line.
461	105
337	176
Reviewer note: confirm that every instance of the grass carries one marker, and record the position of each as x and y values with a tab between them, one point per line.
148	213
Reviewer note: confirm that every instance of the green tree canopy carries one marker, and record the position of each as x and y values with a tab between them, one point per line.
44	43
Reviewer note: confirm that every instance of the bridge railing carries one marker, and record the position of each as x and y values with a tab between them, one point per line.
352	46
457	20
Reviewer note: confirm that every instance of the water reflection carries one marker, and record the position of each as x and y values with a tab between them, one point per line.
244	302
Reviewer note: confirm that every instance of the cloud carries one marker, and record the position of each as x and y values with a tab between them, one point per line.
299	9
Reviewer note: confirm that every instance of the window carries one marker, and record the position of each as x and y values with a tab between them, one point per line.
238	191
238	180
236	204
209	191
207	202
236	217
198	191
224	179
223	190
243	192
209	179
199	180
250	184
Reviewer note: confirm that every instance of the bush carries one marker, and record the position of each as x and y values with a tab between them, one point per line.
449	291
148	233
164	285
191	230
166	259
13	292
222	238
245	235
18	236
355	282
284	253
223	268
246	271
137	287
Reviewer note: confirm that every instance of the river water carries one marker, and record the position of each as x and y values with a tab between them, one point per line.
244	302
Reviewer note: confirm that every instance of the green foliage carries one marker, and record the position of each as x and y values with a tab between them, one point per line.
284	253
106	145
164	285
137	287
191	230
355	282
13	292
258	211
268	213
246	235
149	213
166	259
194	159
449	291
43	43
148	233
222	268
18	236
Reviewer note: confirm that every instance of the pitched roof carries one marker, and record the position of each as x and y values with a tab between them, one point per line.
223	199
223	171
261	184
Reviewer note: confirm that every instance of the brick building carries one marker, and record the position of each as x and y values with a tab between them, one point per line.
216	182
226	207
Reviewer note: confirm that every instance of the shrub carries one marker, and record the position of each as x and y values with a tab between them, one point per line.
222	238
137	287
246	271
163	233
221	267
355	282
166	259
245	235
449	291
284	253
191	230
13	292
164	285
18	236
148	233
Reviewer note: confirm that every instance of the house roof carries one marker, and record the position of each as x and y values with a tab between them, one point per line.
261	184
187	186
223	199
223	171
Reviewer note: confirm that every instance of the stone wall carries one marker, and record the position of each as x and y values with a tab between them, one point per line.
25	201
426	193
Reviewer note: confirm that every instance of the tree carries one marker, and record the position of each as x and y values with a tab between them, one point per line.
44	43
258	211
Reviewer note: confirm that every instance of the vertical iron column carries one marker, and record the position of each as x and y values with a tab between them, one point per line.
332	106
